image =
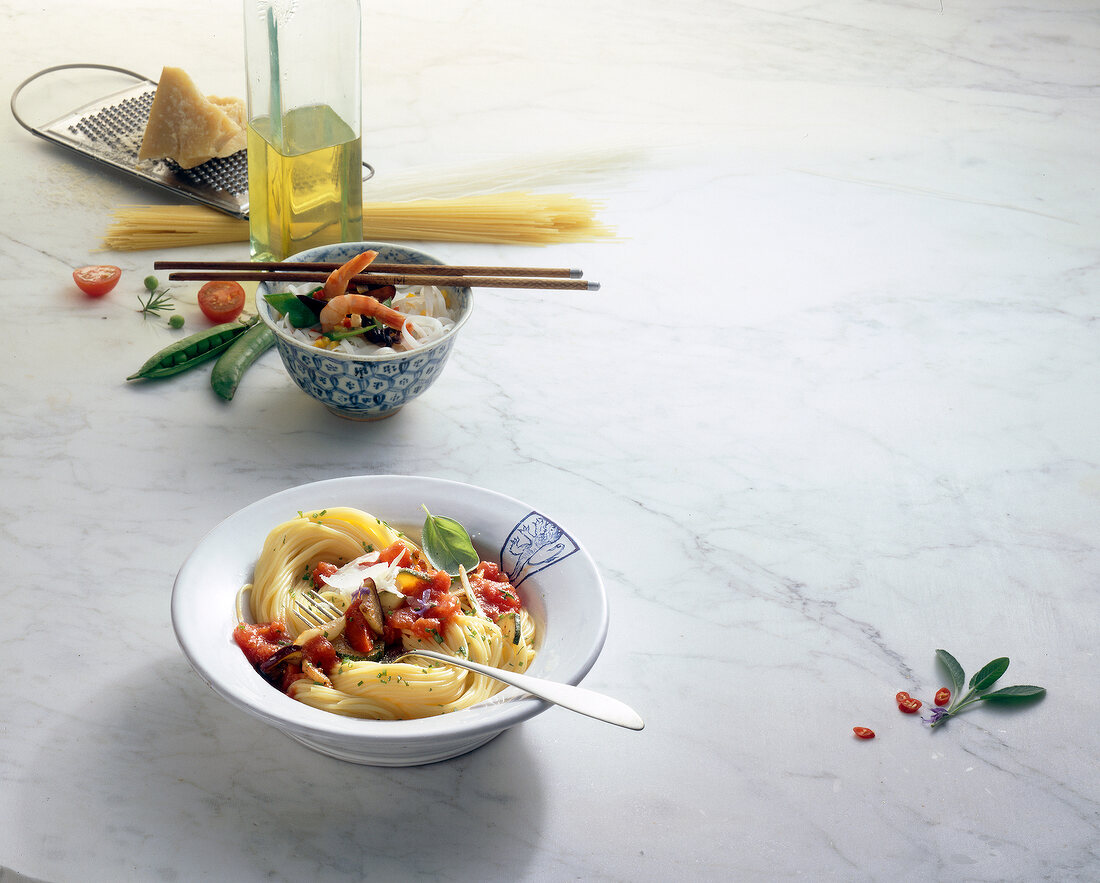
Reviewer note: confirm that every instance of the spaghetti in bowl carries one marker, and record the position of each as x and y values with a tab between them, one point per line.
556	578
358	379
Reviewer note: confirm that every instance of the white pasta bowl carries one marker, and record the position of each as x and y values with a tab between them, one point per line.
555	576
363	387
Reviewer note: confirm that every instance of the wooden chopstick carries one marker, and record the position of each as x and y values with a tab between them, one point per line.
385	279
378	267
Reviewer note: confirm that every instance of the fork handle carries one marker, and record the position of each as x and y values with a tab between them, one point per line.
578	699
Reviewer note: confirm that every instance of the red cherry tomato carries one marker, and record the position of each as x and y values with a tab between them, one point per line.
321	653
864	732
909	705
943	696
323	569
259	642
221	301
397	553
357	631
96	281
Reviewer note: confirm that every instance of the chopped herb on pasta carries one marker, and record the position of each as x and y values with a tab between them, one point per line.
393	600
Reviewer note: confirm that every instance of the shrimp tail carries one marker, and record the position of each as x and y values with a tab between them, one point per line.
337	282
337	312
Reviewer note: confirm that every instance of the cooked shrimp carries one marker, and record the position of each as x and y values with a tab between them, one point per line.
346	310
338	279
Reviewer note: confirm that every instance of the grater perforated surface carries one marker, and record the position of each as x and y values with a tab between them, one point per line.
110	131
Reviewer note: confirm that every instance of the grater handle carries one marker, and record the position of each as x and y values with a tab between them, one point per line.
62	67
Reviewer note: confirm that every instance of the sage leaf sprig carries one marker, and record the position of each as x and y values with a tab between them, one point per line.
989	674
447	545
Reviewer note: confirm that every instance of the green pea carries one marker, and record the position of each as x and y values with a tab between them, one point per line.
151	283
176	321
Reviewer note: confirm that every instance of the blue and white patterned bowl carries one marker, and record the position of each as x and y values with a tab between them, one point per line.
363	387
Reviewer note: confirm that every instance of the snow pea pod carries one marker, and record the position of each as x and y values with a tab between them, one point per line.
301	311
191	350
232	363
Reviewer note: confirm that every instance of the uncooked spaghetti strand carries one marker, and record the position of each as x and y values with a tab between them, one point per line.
516	217
142	227
510	218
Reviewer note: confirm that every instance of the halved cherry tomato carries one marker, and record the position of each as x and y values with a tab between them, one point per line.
863	732
259	642
320	652
221	301
323	569
398	553
96	281
357	631
291	673
405	619
943	696
496	597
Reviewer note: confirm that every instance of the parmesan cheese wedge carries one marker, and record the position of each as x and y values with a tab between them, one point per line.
188	127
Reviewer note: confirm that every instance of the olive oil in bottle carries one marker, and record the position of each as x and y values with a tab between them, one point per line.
305	182
305	166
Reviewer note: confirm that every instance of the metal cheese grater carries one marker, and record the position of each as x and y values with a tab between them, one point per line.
110	129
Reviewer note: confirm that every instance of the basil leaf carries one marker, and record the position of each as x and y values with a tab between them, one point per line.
297	313
447	544
988	676
954	671
1017	693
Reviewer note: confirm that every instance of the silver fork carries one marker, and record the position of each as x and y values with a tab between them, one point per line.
315	609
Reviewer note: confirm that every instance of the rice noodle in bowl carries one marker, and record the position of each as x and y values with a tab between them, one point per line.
430	318
371	375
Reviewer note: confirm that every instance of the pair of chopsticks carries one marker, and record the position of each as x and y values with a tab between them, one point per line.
379	273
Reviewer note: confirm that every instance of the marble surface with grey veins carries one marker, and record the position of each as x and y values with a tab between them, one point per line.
834	407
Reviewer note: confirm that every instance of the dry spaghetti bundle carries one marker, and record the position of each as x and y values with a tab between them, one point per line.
139	227
513	218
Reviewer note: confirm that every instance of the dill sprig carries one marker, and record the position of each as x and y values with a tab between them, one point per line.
157	301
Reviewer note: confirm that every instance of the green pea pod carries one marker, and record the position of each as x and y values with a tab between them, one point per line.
232	363
191	351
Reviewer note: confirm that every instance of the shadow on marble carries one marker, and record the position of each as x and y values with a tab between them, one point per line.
161	761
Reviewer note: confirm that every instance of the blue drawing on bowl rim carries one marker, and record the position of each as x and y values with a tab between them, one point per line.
534	544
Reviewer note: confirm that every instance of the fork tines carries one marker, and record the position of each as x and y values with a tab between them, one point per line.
315	609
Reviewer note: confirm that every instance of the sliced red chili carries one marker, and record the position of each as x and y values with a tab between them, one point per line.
943	696
902	696
864	732
910	705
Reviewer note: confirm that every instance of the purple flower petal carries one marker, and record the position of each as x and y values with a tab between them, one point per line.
938	713
420	603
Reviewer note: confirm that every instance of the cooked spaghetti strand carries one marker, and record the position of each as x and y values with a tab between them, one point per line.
372	689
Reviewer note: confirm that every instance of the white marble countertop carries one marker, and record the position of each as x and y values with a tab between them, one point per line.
834	408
